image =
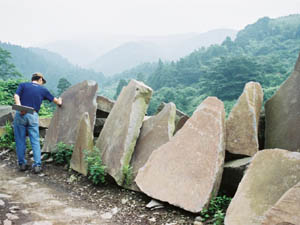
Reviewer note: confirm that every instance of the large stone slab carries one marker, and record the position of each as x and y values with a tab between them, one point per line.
44	122
232	175
156	131
6	114
77	100
104	106
286	210
84	142
271	173
283	114
187	170
243	120
122	127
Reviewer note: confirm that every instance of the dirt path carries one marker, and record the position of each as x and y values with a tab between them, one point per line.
27	202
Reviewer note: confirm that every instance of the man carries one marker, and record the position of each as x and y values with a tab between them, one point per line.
30	94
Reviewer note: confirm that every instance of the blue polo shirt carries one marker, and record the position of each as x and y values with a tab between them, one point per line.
32	95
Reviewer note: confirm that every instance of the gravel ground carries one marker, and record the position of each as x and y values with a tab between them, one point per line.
123	206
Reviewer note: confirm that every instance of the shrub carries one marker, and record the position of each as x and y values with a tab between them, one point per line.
62	153
216	210
128	175
8	140
96	169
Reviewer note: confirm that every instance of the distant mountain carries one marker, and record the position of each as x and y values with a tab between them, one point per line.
54	66
151	49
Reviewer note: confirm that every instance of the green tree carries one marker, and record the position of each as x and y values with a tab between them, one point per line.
63	84
7	69
121	84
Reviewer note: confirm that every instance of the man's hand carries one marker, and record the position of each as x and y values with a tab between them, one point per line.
58	101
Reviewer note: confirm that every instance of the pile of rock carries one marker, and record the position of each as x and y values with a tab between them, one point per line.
181	160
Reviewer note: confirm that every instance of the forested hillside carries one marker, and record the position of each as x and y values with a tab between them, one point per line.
54	67
265	51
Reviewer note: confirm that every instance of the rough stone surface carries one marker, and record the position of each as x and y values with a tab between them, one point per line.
104	105
44	122
286	210
233	174
84	142
122	127
283	114
243	120
187	170
156	131
77	100
6	114
180	118
271	173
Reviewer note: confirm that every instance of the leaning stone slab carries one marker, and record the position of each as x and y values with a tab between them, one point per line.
104	106
187	170
243	120
122	127
77	100
84	142
6	114
156	131
271	173
283	114
233	174
286	210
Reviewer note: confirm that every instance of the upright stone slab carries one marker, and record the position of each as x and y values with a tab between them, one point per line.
84	142
286	210
122	127
243	120
156	131
77	100
271	173
282	127
187	170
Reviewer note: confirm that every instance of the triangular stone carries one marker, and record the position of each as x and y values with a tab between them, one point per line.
77	100
282	127
271	173
243	120
122	127
187	170
156	131
83	143
286	210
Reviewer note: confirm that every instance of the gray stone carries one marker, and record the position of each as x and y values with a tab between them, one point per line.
283	114
6	114
233	174
122	127
44	122
7	222
286	209
156	131
243	120
153	204
2	203
271	173
104	106
187	170
84	142
77	100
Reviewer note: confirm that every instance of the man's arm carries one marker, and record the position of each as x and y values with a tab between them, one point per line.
17	99
58	101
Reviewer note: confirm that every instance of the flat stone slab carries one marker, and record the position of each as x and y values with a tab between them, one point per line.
282	127
122	127
156	131
187	170
243	120
77	100
271	173
84	142
286	210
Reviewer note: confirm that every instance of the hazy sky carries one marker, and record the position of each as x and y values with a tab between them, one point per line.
30	22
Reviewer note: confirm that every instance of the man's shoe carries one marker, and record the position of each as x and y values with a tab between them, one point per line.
37	169
23	167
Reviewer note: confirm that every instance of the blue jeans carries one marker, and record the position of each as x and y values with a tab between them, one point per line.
30	123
